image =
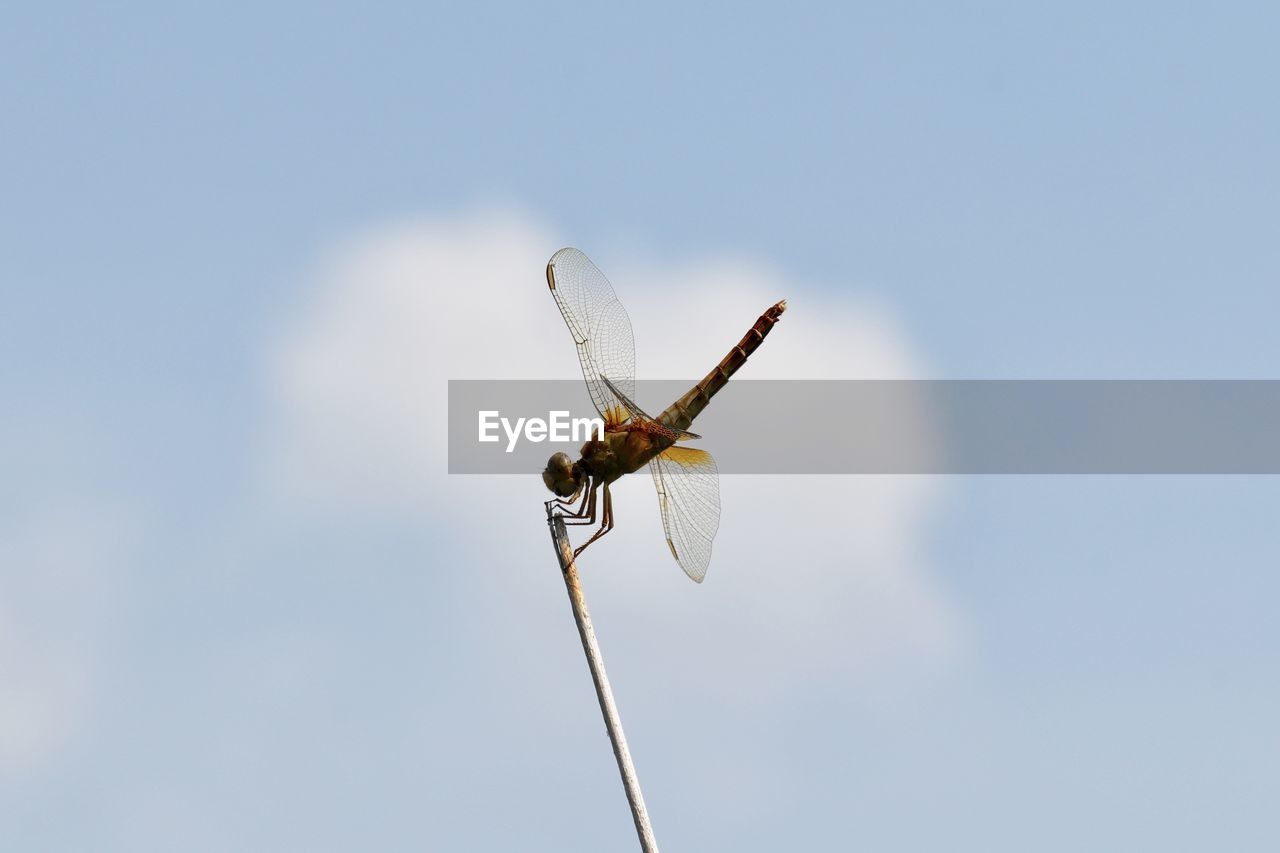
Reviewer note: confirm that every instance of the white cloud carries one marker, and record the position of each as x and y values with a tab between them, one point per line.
809	572
53	596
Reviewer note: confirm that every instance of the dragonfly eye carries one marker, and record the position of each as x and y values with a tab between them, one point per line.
561	475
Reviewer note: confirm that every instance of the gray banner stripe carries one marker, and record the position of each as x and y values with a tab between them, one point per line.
918	427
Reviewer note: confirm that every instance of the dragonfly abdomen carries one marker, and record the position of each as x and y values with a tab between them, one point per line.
680	414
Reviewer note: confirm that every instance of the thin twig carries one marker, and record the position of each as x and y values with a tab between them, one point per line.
608	708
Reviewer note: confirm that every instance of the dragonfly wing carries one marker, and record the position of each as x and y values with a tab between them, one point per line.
689	497
601	330
635	413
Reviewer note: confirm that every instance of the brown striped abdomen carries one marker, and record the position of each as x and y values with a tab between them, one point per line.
680	414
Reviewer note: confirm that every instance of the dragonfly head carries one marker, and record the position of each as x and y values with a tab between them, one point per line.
562	475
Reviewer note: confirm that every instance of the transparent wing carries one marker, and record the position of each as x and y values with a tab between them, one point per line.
600	327
689	497
635	413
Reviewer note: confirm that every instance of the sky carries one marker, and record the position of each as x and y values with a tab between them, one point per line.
243	607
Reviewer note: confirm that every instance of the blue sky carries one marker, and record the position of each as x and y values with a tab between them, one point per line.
202	652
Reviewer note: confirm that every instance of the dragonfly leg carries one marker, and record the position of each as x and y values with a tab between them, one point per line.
567	503
586	514
606	522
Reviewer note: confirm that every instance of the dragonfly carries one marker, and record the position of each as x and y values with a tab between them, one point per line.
687	480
